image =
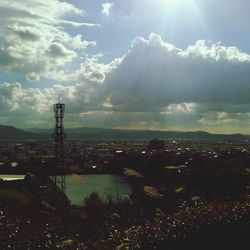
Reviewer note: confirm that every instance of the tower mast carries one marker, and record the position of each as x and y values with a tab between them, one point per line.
59	173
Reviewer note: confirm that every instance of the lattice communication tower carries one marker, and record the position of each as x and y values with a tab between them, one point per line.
59	135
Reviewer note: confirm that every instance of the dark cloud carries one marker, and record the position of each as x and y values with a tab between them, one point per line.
154	74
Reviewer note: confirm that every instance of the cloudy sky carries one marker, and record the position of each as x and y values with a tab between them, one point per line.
160	65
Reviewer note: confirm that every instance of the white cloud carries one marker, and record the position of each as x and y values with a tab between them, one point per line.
22	106
32	77
106	7
91	70
33	40
74	24
154	85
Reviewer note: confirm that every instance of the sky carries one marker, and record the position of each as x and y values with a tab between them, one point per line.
136	64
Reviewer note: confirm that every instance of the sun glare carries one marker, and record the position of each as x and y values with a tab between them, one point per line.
175	3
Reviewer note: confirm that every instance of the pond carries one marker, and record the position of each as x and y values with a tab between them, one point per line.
80	186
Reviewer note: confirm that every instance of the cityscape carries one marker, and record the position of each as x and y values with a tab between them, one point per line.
174	188
124	125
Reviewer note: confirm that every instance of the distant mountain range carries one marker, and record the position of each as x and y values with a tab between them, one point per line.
9	133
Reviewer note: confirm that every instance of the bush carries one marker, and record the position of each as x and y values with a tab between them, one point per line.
219	178
93	204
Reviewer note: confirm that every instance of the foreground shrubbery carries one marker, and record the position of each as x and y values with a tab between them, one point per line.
222	176
194	225
219	178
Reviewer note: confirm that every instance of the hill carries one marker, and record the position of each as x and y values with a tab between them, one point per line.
9	133
87	133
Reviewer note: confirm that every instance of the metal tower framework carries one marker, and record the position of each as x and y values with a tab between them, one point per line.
59	173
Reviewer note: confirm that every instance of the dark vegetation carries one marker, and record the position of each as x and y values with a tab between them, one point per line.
213	177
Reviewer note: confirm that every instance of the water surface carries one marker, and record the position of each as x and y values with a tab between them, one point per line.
80	186
12	177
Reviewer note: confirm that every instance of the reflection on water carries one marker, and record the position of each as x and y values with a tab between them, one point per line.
11	177
80	186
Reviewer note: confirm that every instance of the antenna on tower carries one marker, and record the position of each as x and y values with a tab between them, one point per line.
59	172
